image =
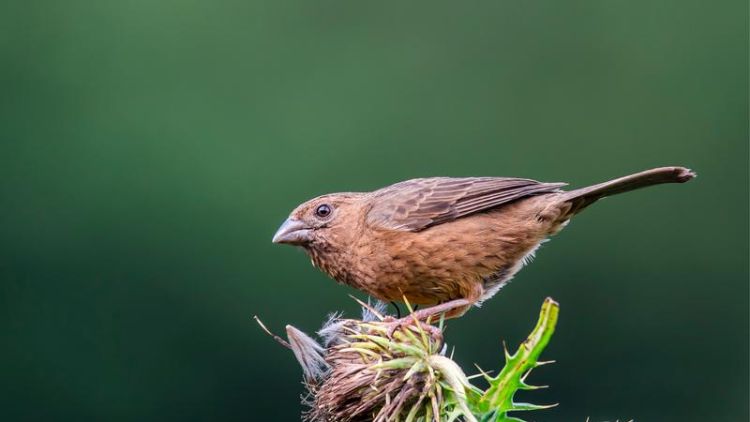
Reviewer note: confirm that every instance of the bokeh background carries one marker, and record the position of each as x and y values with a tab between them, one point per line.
149	150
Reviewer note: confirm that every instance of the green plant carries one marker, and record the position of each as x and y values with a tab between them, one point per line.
365	370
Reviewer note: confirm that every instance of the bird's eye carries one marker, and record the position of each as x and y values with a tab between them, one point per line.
323	211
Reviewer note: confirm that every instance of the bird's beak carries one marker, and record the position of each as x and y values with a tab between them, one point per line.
293	232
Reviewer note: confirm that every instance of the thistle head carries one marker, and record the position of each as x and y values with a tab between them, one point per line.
373	372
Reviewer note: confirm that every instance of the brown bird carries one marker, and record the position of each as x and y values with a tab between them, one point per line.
442	240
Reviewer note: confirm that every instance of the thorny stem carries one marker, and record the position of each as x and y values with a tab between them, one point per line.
498	399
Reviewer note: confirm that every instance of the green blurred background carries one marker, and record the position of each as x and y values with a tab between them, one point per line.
149	150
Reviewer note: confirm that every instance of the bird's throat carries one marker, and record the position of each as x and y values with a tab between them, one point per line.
335	263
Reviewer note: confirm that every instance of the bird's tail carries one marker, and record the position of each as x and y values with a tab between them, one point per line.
581	198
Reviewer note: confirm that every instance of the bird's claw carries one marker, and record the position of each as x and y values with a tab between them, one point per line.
421	319
408	322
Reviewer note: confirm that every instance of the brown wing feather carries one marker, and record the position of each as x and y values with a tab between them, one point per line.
417	204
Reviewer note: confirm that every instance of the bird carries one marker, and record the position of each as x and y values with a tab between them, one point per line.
445	242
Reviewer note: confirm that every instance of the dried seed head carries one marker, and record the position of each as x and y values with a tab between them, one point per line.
373	372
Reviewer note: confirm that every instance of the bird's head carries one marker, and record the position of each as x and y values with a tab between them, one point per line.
328	221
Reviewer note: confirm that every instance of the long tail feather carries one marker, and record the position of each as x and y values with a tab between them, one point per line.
581	198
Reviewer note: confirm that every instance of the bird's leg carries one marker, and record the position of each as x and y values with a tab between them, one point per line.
451	309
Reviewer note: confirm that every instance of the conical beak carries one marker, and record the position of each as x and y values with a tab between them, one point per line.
293	232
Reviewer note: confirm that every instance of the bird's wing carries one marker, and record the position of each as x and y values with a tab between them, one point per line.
417	204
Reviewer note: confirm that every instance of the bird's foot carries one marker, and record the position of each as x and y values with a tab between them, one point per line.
409	323
420	319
